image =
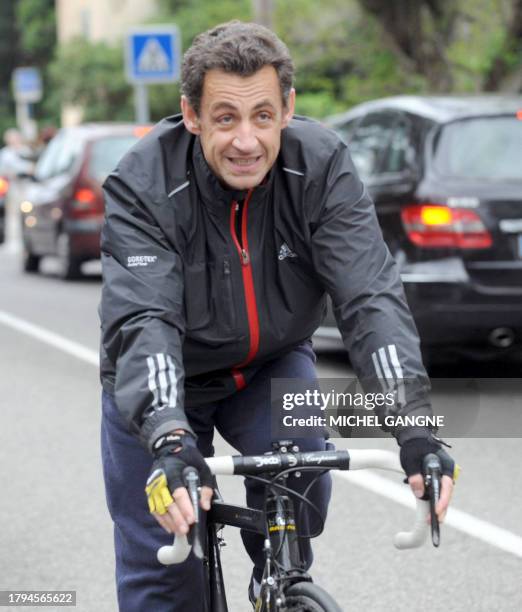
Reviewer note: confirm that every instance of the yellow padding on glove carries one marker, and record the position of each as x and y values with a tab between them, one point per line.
158	494
456	472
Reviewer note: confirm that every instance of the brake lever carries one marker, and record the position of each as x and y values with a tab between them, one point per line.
432	476
191	480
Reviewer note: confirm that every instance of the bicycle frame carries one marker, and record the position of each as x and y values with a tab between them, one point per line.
282	545
222	514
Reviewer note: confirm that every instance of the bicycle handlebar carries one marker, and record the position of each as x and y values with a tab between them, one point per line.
356	459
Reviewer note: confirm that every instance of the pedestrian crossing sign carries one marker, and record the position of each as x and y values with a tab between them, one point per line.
153	54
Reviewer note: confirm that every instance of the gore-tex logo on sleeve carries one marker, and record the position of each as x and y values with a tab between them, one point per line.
140	260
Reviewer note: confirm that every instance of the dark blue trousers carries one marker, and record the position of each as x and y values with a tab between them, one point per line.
143	585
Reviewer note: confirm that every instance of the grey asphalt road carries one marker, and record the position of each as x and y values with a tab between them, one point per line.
56	534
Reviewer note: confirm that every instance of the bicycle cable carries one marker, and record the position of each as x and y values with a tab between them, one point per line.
322	522
302	497
273	483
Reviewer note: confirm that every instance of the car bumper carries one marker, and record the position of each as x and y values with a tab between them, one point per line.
467	323
449	308
84	238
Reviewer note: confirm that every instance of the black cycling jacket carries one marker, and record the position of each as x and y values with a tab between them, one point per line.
202	285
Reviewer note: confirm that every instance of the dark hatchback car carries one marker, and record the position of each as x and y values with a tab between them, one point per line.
63	210
445	174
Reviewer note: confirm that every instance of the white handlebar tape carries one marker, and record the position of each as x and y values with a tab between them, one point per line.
417	536
387	460
221	465
362	459
177	553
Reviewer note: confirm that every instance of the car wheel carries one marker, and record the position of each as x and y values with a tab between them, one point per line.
31	262
70	267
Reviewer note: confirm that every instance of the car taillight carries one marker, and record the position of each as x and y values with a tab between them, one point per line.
438	226
4	186
86	201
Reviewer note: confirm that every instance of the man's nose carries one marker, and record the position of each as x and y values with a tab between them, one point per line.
245	139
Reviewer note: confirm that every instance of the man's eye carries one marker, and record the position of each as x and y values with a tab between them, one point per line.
225	120
264	116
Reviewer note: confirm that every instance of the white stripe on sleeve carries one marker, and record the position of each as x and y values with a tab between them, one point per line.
385	366
173	398
153	387
162	379
398	371
378	371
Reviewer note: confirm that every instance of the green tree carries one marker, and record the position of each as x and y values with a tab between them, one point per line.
505	68
195	16
91	76
36	24
339	56
27	37
420	32
8	61
454	45
36	21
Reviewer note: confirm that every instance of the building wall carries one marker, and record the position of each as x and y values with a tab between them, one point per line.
101	20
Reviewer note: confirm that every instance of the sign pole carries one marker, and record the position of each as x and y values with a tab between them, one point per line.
27	89
25	122
152	55
141	103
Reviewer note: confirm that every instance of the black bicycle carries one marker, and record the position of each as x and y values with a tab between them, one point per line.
285	586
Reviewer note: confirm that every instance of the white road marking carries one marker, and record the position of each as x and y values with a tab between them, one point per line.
462	521
466	523
56	340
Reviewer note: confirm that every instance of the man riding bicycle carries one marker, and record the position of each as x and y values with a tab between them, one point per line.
225	228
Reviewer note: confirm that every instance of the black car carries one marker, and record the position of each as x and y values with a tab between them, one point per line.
63	209
445	174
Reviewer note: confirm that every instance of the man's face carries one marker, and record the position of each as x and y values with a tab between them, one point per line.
239	124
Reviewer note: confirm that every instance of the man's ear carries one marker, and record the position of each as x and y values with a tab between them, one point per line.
190	117
288	110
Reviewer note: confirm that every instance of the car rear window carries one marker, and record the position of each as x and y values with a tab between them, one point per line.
59	156
107	152
487	148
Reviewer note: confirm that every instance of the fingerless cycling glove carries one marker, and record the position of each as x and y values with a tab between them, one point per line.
173	453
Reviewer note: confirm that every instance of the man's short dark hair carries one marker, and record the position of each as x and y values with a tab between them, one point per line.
235	47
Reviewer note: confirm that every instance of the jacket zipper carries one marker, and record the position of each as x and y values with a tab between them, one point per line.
248	285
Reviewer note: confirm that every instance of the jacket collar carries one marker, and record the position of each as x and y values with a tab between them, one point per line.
211	190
